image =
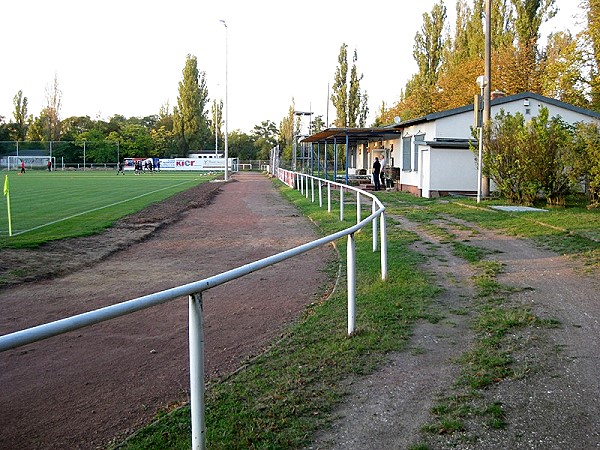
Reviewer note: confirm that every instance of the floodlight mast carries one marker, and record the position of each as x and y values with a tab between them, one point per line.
226	177
298	114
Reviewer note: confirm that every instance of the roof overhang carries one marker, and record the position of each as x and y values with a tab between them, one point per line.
354	135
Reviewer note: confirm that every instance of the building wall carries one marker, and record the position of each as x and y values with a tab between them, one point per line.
457	126
453	170
530	108
444	170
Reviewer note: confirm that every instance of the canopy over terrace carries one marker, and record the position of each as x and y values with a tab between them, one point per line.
351	137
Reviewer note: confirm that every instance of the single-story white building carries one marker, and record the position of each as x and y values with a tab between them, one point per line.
430	156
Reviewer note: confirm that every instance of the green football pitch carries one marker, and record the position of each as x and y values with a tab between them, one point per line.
47	206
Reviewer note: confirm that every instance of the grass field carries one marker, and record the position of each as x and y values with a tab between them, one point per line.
48	206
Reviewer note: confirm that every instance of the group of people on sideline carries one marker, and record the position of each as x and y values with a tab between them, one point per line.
139	167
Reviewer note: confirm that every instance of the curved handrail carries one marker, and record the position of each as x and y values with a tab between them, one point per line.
194	292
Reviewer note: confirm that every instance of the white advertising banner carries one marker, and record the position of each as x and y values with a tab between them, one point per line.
181	164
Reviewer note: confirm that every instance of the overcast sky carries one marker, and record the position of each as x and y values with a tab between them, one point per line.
127	56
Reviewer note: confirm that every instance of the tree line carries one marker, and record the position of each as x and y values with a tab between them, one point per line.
193	124
565	68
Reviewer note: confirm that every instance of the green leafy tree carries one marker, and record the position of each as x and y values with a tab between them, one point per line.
350	102
98	149
74	126
563	66
586	163
190	122
265	138
418	97
317	124
35	131
591	51
529	159
216	114
522	71
20	114
429	44
50	115
550	151
339	96
286	135
364	110
135	141
4	129
165	118
502	161
241	145
354	94
163	141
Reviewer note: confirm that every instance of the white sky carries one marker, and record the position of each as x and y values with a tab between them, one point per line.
127	56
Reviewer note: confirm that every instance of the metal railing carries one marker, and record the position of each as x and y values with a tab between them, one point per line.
194	291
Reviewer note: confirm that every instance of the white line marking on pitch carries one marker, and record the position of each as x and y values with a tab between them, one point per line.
97	209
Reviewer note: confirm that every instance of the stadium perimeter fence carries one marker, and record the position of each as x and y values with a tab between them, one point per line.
309	186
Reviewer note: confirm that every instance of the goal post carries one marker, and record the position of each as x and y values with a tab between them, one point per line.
31	162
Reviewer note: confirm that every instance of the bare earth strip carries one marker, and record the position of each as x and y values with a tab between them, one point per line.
553	406
82	389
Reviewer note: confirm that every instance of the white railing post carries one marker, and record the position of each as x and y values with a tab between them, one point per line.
328	197
312	189
196	343
351	275
320	194
358	208
341	203
374	222
384	268
306	185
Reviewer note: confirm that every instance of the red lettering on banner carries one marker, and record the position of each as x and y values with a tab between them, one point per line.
184	163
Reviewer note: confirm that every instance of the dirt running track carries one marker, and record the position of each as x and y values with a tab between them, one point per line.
82	389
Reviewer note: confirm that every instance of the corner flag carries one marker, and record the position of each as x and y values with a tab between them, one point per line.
7	195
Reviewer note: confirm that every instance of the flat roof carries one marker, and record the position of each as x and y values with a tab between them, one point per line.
355	135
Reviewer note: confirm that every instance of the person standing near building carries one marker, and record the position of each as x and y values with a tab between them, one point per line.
382	173
376	173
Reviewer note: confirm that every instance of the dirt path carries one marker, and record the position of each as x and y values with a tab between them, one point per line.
555	406
81	389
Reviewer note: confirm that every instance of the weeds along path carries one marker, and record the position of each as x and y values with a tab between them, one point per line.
387	409
548	396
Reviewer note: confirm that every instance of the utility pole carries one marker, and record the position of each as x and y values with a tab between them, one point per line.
485	183
226	111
